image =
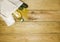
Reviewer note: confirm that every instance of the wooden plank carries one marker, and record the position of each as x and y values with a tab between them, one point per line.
44	15
30	38
32	27
43	4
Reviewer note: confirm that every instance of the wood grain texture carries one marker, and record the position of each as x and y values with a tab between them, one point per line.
32	27
43	24
43	4
44	15
43	29
30	38
31	32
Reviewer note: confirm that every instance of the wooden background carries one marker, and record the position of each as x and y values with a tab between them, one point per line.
43	24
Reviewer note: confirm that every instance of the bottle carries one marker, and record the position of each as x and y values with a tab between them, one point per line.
21	12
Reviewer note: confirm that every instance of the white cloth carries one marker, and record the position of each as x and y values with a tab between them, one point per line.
7	7
8	20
